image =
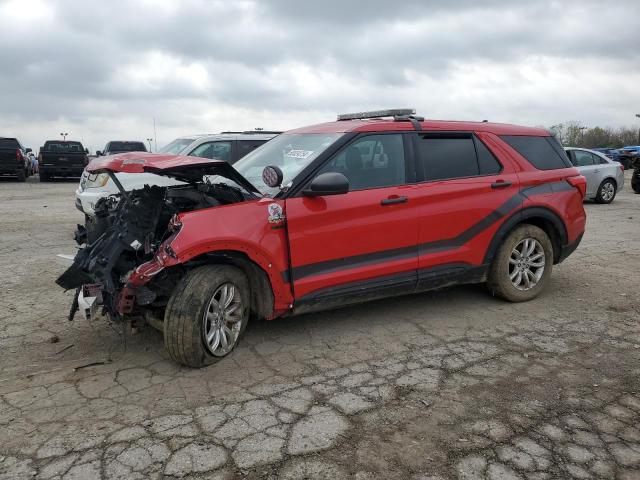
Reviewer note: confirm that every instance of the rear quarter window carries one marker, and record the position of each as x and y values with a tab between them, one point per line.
544	153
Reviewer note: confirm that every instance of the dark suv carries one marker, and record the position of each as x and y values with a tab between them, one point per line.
329	215
121	146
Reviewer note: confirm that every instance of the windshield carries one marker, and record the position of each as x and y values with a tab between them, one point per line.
176	146
291	152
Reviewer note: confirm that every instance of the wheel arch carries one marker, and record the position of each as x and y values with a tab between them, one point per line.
262	296
541	217
609	177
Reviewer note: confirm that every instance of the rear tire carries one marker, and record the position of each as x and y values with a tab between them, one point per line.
44	176
196	313
516	274
606	191
21	175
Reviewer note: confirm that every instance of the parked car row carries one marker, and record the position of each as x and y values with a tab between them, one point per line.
625	155
372	205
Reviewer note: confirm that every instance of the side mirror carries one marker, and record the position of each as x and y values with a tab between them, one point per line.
86	150
272	176
98	153
330	183
28	150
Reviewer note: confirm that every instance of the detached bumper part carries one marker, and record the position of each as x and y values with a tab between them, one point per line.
89	299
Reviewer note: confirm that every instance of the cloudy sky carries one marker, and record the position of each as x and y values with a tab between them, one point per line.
103	70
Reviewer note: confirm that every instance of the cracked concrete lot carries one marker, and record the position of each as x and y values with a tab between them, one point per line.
449	384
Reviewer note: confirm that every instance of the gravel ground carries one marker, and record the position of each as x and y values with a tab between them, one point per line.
450	384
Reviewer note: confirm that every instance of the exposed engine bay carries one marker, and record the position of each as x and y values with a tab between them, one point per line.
127	231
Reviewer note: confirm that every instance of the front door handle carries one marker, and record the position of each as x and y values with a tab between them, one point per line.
500	184
393	200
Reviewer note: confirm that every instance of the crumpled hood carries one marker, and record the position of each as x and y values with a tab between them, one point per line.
185	169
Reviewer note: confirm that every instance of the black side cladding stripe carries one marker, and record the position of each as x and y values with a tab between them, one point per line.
355	261
473	230
329	266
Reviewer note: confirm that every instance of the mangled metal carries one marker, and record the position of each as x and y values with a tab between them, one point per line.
125	244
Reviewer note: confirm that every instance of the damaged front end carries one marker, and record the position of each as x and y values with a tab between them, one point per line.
121	267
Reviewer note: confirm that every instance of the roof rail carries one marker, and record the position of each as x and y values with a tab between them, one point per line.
394	112
258	132
252	132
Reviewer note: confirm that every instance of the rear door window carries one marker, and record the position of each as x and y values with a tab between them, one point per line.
445	158
584	159
442	156
487	162
544	153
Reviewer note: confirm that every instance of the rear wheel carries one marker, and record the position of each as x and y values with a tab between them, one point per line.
206	315
44	176
522	266
21	175
606	191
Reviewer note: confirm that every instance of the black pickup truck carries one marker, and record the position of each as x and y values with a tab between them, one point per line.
61	158
13	158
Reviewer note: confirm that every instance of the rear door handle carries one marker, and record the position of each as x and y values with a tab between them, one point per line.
500	184
393	200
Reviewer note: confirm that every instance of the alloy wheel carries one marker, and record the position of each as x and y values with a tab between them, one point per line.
607	191
526	264
222	320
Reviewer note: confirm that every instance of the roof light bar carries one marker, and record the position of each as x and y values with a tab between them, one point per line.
378	114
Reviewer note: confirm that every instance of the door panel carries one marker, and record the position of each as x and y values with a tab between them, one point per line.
458	216
336	240
341	242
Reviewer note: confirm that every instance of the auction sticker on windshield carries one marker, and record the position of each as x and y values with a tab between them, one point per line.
299	153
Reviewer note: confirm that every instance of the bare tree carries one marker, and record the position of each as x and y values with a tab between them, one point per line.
574	134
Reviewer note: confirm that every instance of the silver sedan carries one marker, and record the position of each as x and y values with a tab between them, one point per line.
605	177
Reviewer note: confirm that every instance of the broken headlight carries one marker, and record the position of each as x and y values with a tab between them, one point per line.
96	180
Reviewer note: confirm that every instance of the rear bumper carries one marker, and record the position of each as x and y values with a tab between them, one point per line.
568	249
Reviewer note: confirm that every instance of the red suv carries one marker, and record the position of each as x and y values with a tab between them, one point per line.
373	205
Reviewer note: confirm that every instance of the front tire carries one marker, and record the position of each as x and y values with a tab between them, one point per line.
606	191
522	265
206	315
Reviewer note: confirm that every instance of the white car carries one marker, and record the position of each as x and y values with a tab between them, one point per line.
229	146
605	177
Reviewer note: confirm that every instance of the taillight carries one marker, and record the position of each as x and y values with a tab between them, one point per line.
621	167
18	154
579	182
